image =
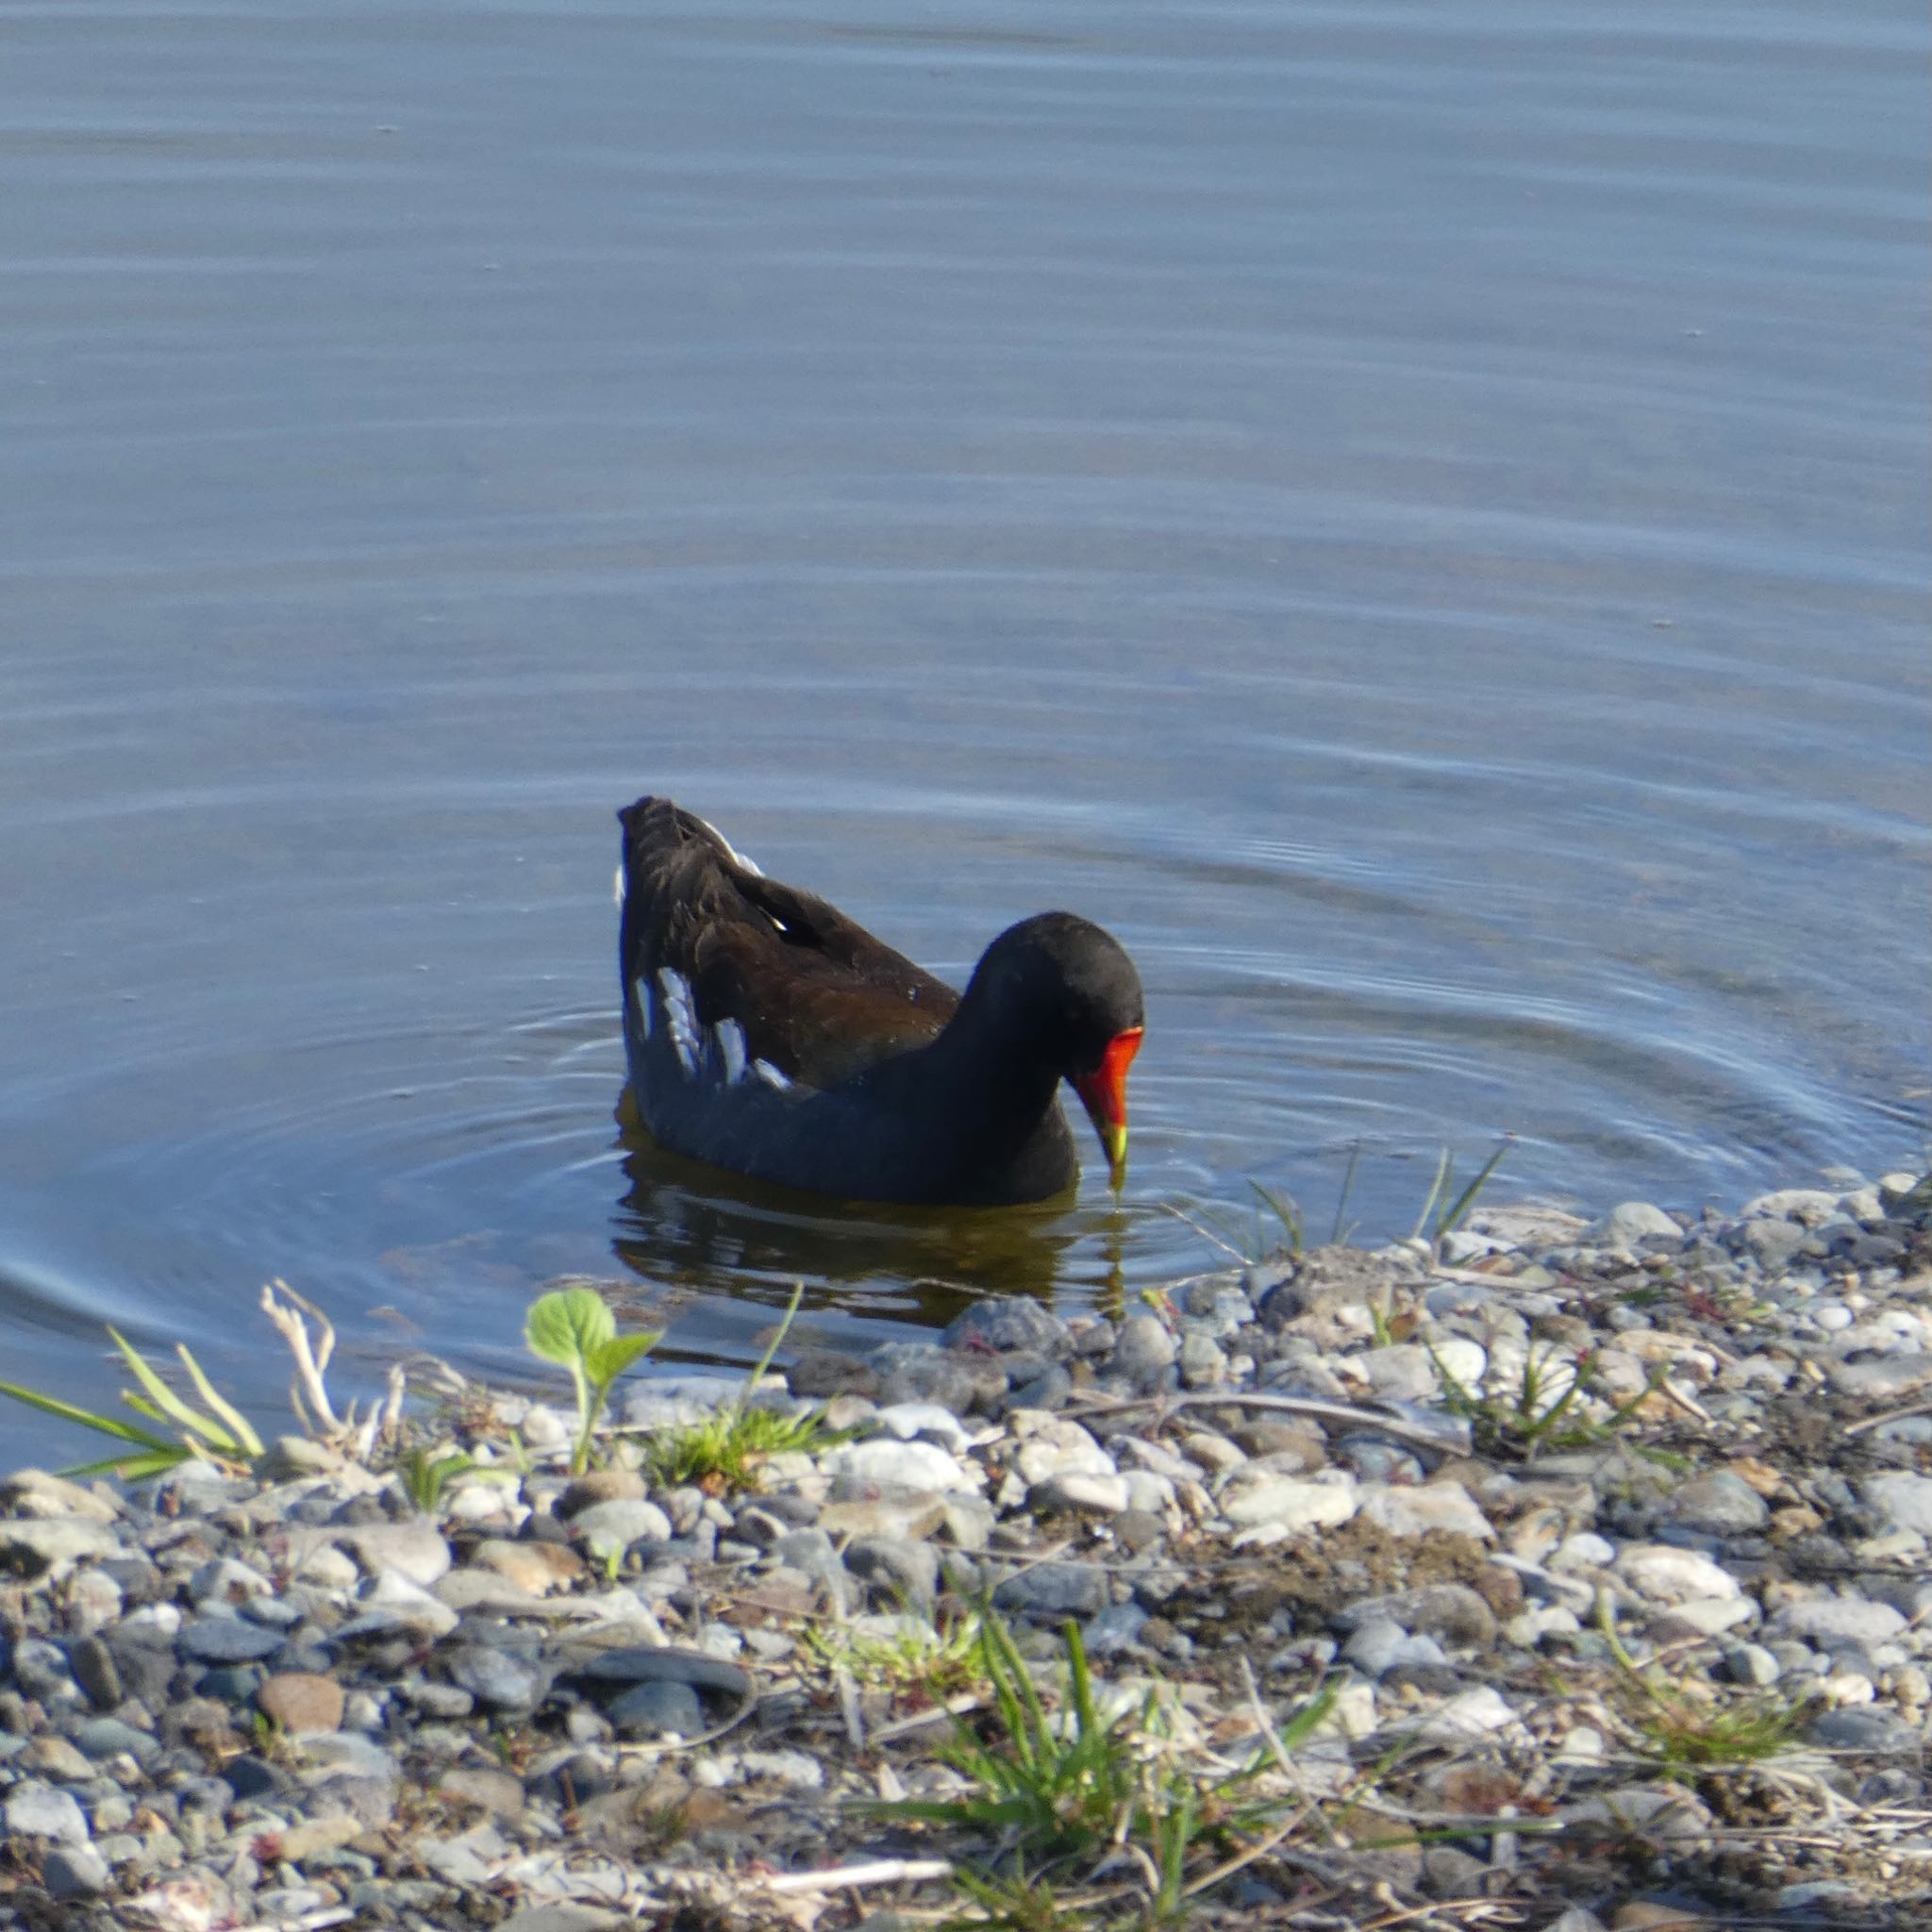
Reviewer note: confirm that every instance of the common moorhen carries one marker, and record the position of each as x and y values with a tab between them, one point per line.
769	1034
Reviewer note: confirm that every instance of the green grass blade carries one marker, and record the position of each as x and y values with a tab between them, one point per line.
163	1397
241	1434
1435	1194
1466	1200
137	1466
1355	1155
68	1411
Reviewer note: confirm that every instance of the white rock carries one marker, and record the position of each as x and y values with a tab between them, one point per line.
33	1544
1668	1575
1471	1714
1528	1628
1586	1550
34	1492
908	1465
1051	1446
1584	1745
1083	1495
1400	1374
1708	1616
906	1420
327	1568
1289	1502
1146	1491
1429	1508
412	1604
37	1810
229	1579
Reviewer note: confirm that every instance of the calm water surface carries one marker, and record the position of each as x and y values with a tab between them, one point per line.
1412	514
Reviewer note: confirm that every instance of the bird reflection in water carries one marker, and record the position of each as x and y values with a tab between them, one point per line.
701	1229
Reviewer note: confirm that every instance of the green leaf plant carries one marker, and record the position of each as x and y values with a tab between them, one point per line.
574	1328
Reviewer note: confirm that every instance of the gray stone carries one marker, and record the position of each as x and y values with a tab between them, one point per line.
31	1546
1009	1324
1203	1361
1720	1505
1144	1352
35	1492
564	1917
1865	1729
1114	1629
1451	1611
1902	1499
1772	1243
1054	1590
416	1548
922	1372
1632	1222
40	1669
108	1736
499	1678
1751	1663
1379	1646
74	1870
226	1641
609	1529
1850	1620
647	1664
897	1568
658	1709
1879	1378
37	1810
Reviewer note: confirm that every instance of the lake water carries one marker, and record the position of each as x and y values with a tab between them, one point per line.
1413	515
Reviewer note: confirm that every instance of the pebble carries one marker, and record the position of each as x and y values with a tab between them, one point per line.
1260	1497
301	1701
498	1679
416	1549
37	1810
1853	1619
917	1466
1145	1351
1434	1508
1903	1500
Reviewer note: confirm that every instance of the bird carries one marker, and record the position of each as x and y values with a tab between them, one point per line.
768	1034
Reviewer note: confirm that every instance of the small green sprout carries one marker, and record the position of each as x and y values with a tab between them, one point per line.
574	1328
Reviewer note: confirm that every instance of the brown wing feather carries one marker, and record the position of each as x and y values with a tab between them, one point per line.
818	996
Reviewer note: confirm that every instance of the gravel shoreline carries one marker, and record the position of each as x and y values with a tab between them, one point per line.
287	1699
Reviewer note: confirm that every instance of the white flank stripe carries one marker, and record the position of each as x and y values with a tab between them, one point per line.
680	1017
640	993
617	886
731	1043
770	1074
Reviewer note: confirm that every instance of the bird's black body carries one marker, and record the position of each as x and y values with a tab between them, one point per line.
769	1034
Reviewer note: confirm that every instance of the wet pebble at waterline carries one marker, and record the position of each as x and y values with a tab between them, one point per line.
291	1700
